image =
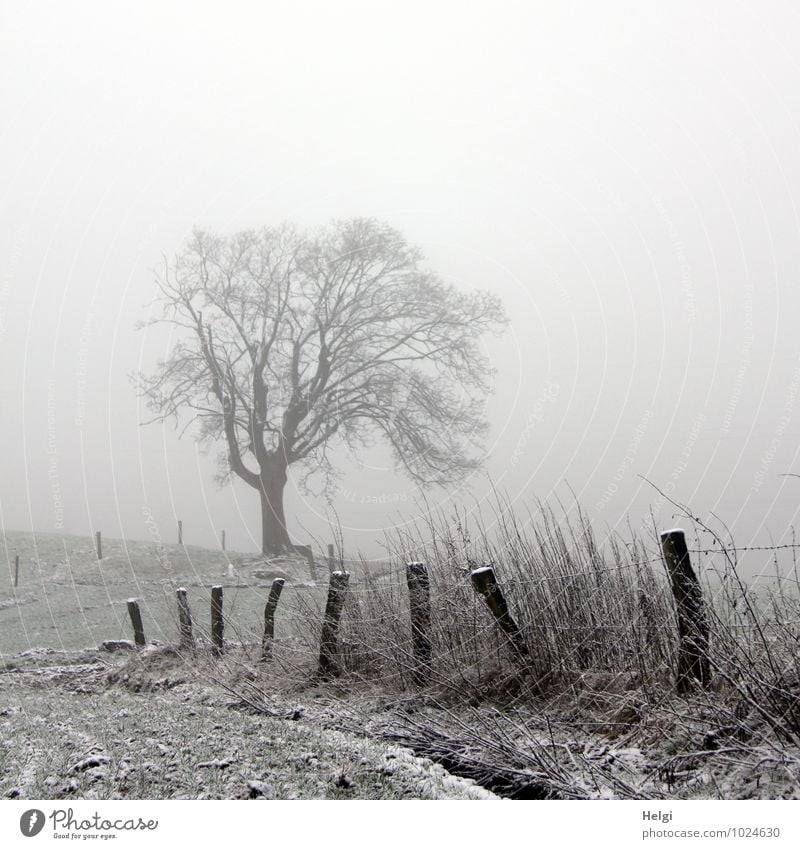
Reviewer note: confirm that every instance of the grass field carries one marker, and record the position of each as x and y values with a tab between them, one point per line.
83	726
67	599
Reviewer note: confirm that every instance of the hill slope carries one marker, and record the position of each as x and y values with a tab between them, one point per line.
67	599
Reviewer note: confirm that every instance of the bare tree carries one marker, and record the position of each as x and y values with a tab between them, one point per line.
290	338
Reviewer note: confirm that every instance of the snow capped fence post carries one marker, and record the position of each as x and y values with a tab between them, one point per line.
98	539
269	618
419	602
485	584
184	619
693	663
136	621
217	623
328	650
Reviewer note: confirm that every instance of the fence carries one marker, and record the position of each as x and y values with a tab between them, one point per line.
572	605
424	637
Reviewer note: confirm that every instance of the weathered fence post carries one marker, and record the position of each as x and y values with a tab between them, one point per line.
328	663
136	621
180	532
269	618
98	538
16	570
223	540
217	622
184	619
308	553
419	602
485	583
693	663
331	557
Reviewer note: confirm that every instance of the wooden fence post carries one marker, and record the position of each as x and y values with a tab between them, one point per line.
485	583
269	618
331	558
180	532
693	663
308	553
98	537
184	619
16	570
328	663
136	621
419	602
217	622
223	540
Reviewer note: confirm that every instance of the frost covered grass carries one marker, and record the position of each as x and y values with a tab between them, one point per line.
583	607
67	599
579	606
156	728
589	712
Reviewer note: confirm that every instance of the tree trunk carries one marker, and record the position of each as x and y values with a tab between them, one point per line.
274	535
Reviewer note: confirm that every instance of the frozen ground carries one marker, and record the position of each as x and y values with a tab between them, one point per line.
157	725
73	728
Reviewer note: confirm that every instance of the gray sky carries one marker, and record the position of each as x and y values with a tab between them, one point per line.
624	175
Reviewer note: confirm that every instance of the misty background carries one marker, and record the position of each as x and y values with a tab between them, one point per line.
623	175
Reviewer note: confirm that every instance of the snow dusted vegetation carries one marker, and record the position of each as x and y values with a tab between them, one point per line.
589	711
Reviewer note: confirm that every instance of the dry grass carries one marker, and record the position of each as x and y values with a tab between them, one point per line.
599	626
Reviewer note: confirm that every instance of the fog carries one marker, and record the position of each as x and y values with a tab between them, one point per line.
623	175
